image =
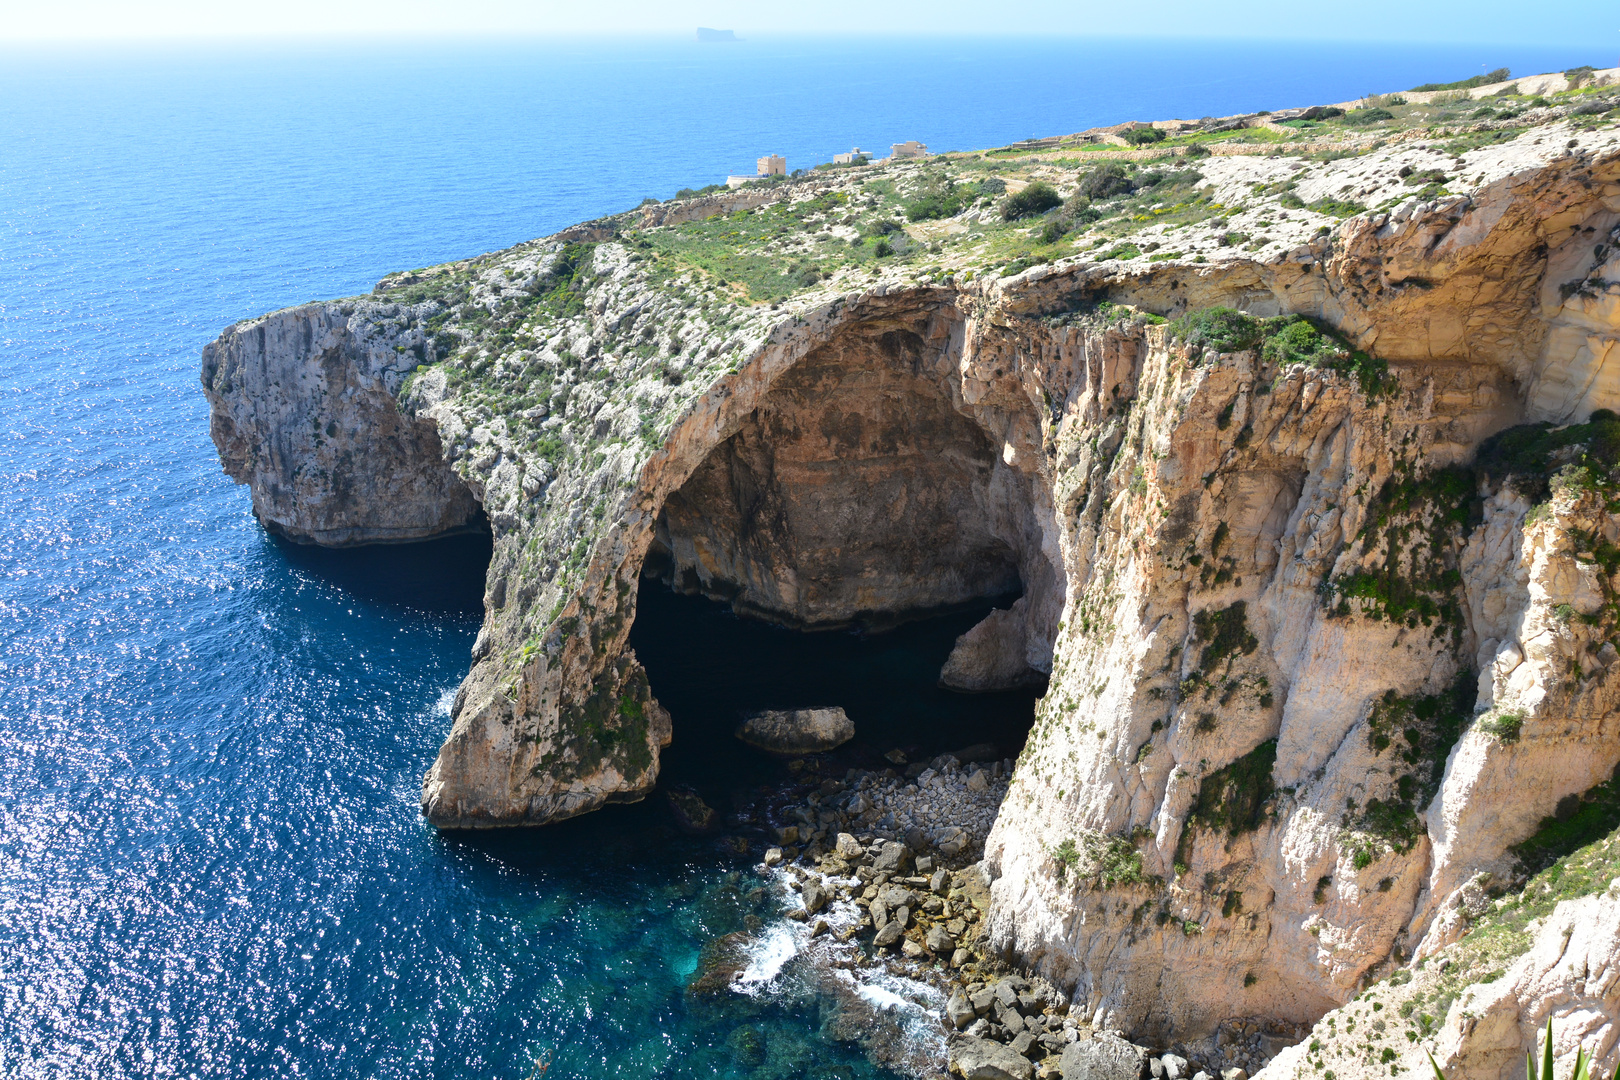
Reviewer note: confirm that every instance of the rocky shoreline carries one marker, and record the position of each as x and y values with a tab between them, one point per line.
882	871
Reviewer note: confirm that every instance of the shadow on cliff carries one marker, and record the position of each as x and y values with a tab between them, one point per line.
444	576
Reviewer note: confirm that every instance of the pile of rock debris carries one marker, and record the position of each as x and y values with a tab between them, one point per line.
904	887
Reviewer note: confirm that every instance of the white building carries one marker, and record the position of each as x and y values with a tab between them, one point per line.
850	158
900	151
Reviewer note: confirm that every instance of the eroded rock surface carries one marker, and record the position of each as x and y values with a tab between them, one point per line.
1326	647
304	412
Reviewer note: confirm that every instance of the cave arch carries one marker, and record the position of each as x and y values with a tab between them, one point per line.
863	490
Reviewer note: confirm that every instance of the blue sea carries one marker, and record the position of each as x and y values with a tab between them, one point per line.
211	859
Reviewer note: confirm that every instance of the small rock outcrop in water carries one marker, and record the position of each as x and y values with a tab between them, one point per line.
795	732
1302	460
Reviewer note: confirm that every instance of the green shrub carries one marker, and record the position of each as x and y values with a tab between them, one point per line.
1197	150
939	198
1223	329
1067	855
1106	181
1530	456
1338	207
1490	77
1036	198
1579	75
692	193
1297	343
1504	726
1226	632
1368	116
1144	136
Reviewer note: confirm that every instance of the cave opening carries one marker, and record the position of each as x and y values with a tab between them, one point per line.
831	552
710	667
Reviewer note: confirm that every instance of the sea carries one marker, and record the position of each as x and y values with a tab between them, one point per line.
212	862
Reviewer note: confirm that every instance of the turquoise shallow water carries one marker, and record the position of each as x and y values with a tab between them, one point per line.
211	861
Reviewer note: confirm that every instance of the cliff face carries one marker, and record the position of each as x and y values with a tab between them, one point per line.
302	409
1324	643
1290	590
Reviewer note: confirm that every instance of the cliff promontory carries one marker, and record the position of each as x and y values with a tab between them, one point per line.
1293	431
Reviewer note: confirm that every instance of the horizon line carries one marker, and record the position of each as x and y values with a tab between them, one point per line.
514	35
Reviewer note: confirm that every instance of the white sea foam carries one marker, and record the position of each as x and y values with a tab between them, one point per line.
766	959
880	998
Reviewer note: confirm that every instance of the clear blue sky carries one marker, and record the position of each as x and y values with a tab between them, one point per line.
1592	23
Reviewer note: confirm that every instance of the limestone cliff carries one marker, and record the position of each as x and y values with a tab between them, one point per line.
1329	621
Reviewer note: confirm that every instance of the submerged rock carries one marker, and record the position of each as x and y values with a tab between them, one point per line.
747	1044
720	963
692	815
792	732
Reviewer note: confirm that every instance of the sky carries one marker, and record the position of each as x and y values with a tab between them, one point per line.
1588	22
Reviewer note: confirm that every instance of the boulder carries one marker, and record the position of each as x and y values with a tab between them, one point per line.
1175	1066
692	815
950	840
773	856
981	1059
1024	1044
848	848
960	1011
891	857
814	896
791	732
1102	1057
889	933
916	951
1008	1018
939	942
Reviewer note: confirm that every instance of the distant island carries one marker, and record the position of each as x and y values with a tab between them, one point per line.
705	34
